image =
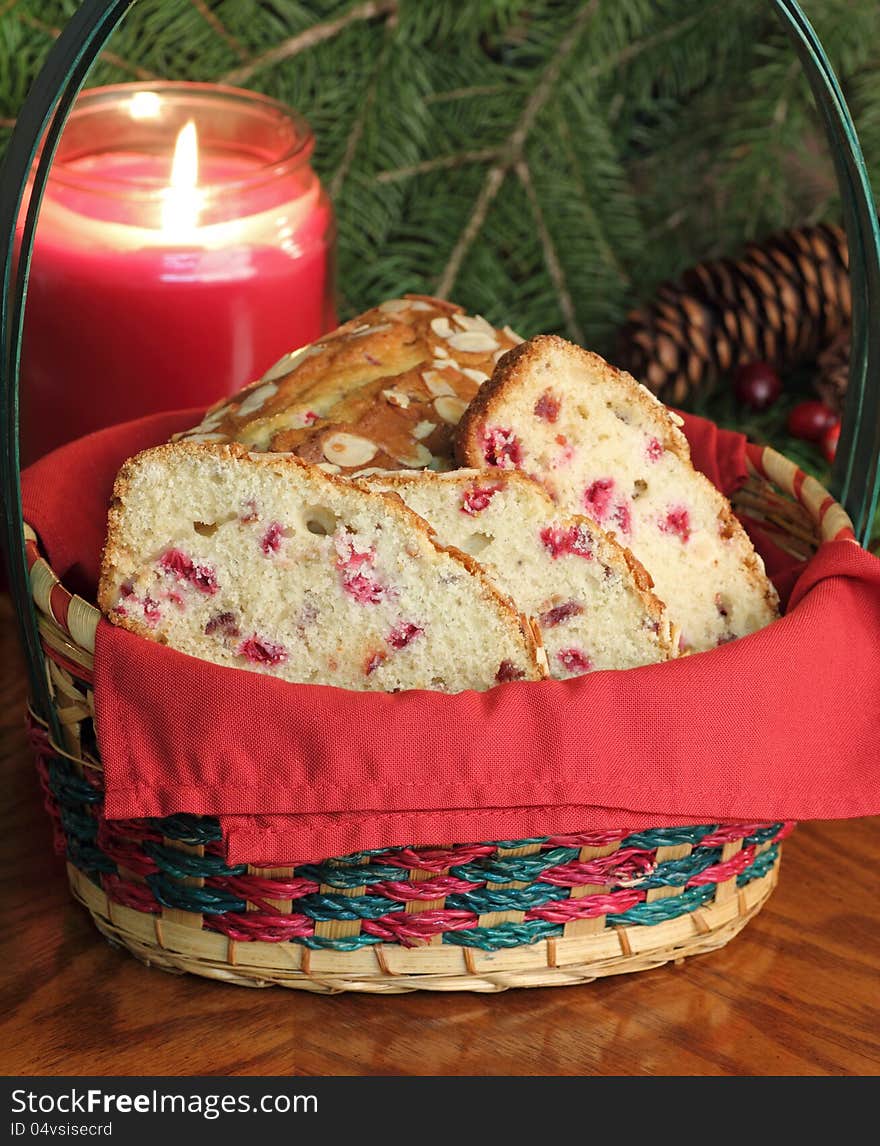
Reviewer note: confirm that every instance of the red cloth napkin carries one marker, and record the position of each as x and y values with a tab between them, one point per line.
779	725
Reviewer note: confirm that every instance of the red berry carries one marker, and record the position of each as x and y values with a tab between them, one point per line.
757	385
810	420
829	442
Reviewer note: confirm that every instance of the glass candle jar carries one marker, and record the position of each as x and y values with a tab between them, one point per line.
183	246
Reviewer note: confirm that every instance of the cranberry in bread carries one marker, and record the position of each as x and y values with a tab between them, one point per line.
590	598
605	447
262	562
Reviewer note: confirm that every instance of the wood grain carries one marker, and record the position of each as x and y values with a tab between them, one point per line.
796	993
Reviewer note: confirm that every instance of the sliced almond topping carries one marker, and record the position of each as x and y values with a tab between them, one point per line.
394	305
418	459
498	355
209	422
513	336
329	467
370	470
362	331
286	364
450	409
441	327
396	398
440	352
677	419
473	342
474	322
478	376
348	450
196	437
436	384
256	399
420	305
423	429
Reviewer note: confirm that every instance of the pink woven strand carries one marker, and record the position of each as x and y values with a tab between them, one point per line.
626	864
437	859
428	889
255	887
410	929
59	840
587	908
720	872
255	926
589	839
123	843
728	832
135	895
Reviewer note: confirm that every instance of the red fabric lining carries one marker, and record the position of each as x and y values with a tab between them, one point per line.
780	725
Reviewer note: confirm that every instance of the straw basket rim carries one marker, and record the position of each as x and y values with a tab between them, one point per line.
744	865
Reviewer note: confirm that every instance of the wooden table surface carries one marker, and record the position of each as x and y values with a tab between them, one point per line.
796	993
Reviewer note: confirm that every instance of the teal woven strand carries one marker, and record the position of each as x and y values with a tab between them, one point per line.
506	899
67	787
182	865
326	907
677	872
347	943
505	935
510	869
89	858
759	867
648	914
199	900
78	823
346	878
189	829
762	835
668	837
511	844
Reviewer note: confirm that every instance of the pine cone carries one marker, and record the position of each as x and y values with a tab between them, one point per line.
782	302
833	371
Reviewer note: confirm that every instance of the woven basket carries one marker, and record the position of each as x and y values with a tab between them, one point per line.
483	916
477	916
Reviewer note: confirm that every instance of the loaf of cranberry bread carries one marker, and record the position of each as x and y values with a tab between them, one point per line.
384	391
604	446
588	595
262	562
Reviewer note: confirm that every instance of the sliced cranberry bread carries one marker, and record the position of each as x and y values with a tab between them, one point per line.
262	562
589	596
402	373
604	446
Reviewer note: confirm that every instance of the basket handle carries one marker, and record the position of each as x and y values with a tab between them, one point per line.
856	480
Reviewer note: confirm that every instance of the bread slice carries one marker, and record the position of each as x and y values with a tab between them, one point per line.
588	595
262	562
604	446
383	391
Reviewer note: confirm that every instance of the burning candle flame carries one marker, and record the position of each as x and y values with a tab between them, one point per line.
183	199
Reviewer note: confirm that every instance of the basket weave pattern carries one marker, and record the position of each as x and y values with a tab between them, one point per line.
484	916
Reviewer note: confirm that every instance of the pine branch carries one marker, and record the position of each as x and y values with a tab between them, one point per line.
317	34
358	126
111	57
441	163
550	256
513	151
222	31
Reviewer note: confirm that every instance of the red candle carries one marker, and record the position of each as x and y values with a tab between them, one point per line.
183	246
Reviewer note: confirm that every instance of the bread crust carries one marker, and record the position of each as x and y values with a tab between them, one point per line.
281	464
516	369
